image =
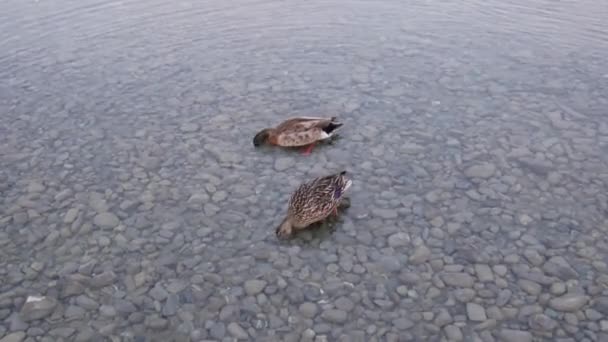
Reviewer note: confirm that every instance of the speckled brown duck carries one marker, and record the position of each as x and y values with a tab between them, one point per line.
298	131
314	201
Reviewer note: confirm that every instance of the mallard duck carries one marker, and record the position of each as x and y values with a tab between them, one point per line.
314	201
298	131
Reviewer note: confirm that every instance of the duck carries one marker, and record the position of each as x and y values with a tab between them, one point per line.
314	201
298	131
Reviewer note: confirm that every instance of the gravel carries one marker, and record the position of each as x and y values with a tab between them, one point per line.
135	207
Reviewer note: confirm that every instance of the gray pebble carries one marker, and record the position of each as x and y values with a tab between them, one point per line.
254	286
458	279
14	337
476	312
568	302
106	220
334	316
237	331
512	335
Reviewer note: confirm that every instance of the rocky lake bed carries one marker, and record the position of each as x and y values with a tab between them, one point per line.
135	208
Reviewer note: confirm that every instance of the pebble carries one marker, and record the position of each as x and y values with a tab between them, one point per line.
399	240
458	279
254	286
334	316
512	335
37	307
71	215
237	331
482	170
568	302
189	127
283	163
421	254
530	287
14	337
453	333
541	322
308	309
484	273
106	220
476	312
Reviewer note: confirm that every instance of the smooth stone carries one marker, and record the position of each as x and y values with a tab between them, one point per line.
70	216
237	331
511	335
530	287
36	307
541	322
334	315
189	127
476	312
453	333
14	337
308	309
283	163
484	273
399	240
106	220
403	323
254	286
458	279
421	254
568	302
483	170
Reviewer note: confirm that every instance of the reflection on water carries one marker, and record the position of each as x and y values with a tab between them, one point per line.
133	202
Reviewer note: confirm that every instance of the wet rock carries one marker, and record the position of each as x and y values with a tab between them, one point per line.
70	216
156	322
484	273
568	302
385	213
37	307
254	286
334	316
189	127
421	255
308	309
482	170
402	323
71	286
512	335
476	312
541	322
458	279
17	324
453	333
237	331
399	240
218	331
559	267
103	279
530	287
601	304
171	305
14	337
86	303
106	220
74	312
158	292
283	163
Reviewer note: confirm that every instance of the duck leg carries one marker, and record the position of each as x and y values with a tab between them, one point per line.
308	149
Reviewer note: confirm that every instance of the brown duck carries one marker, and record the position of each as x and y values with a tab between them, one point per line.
314	201
298	131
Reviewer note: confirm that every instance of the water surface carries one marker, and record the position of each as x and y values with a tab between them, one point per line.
134	202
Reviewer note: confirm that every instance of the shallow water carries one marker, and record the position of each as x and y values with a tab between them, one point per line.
134	201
